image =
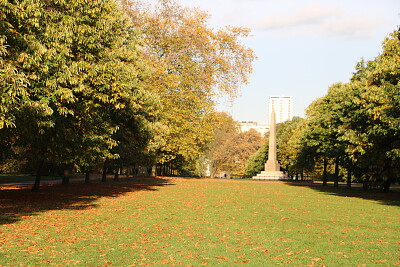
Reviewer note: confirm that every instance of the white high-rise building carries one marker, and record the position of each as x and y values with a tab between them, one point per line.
282	106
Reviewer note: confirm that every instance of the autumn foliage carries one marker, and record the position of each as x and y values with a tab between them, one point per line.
90	85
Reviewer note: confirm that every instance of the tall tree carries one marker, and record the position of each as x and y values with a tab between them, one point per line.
80	60
289	146
256	162
373	128
356	125
324	132
225	128
191	64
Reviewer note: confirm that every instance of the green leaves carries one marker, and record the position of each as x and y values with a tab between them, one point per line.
96	84
359	121
12	87
191	63
79	80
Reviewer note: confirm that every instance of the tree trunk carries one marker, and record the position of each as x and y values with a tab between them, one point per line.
36	185
302	175
325	174
386	185
65	177
366	184
390	176
349	173
116	174
154	171
87	177
336	182
104	174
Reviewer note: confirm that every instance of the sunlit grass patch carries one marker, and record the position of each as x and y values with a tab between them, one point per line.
204	222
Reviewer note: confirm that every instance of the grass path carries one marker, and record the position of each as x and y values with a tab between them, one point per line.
197	222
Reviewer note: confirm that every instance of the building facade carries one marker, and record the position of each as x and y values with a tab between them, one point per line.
283	106
247	125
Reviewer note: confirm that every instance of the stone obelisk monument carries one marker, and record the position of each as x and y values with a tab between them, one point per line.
272	168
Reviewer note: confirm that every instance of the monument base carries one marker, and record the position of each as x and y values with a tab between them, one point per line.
272	166
272	175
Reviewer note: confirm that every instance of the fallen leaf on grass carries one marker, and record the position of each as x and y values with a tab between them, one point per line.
380	261
190	256
256	248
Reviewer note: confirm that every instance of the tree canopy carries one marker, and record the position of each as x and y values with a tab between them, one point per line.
355	127
81	80
86	82
191	64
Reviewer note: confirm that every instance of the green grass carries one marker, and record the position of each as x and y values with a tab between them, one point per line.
199	222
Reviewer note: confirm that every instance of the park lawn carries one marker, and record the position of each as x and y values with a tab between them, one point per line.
197	222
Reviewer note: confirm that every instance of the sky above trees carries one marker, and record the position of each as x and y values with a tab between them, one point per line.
302	46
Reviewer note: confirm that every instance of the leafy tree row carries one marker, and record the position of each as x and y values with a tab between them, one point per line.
96	83
353	132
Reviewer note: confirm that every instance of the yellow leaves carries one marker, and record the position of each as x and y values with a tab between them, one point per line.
315	259
179	37
169	260
104	98
379	261
119	105
65	111
339	254
65	95
22	57
190	64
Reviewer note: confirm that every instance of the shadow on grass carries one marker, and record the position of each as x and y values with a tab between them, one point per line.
18	201
390	198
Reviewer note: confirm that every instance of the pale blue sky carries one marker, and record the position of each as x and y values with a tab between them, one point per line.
302	46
